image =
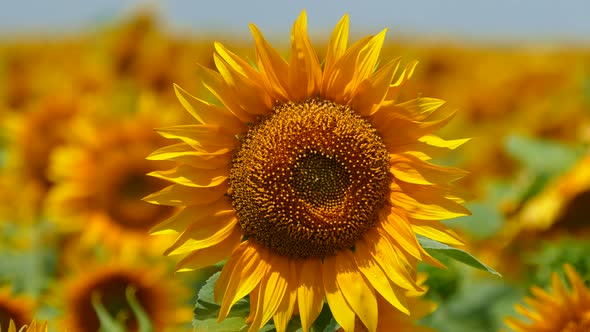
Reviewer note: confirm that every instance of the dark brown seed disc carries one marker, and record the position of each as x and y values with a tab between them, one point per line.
309	179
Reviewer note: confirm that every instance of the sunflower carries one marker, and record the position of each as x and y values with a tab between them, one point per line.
99	176
560	310
561	209
34	135
15	308
159	296
140	51
314	182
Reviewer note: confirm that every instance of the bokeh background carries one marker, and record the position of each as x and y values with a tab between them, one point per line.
83	84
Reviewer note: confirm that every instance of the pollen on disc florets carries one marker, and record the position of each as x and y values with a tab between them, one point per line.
309	179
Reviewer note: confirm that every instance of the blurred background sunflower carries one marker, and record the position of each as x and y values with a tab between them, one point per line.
82	87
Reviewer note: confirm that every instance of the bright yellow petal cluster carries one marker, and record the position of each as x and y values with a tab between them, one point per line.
560	310
353	282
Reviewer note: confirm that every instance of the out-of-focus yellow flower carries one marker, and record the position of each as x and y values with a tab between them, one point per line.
34	135
140	51
560	209
20	309
160	296
99	177
560	310
314	182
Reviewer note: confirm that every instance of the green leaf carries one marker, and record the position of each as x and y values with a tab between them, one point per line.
143	320
206	311
436	248
230	324
107	322
325	321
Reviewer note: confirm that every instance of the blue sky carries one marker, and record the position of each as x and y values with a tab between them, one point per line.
471	20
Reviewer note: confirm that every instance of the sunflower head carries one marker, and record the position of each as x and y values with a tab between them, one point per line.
561	309
108	286
559	210
36	134
100	178
313	180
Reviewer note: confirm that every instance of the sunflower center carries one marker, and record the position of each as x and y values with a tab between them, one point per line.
309	179
319	179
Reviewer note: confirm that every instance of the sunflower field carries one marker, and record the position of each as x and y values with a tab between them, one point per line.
155	182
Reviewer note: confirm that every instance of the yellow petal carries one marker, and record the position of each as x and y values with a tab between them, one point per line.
372	91
428	146
250	265
305	73
382	252
434	140
336	48
192	215
341	310
435	230
378	279
189	176
338	83
214	83
517	325
359	294
184	153
177	195
425	202
368	58
207	113
272	66
579	288
396	87
310	294
285	309
532	315
399	230
355	65
206	138
273	287
208	256
398	131
11	326
411	169
251	97
253	304
238	64
206	233
420	108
